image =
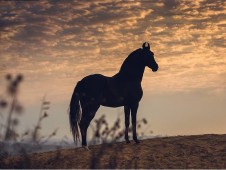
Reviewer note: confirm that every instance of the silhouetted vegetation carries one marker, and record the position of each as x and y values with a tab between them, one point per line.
107	136
13	106
102	133
10	110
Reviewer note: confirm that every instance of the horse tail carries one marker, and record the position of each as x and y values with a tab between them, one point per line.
75	113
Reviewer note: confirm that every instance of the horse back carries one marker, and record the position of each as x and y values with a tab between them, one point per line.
92	85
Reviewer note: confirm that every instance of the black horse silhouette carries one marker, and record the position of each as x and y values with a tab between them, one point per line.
122	89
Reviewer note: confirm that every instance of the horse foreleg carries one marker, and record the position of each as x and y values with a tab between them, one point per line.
127	116
134	121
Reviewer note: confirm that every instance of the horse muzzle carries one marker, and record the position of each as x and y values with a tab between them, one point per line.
154	69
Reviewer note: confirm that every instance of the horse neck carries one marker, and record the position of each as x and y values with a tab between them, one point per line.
132	68
131	76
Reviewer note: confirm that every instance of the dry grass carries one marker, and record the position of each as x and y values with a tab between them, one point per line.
201	151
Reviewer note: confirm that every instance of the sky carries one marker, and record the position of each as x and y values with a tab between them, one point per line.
54	44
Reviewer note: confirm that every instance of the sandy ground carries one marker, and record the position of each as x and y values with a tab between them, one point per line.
198	151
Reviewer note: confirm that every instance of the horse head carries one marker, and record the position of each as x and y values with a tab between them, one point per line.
149	57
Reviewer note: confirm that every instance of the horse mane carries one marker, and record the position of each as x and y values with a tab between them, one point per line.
132	65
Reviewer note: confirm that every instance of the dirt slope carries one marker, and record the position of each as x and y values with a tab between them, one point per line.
201	151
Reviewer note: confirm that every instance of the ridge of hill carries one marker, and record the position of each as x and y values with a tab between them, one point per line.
196	151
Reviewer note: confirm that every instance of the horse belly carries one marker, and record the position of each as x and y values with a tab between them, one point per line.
112	101
114	97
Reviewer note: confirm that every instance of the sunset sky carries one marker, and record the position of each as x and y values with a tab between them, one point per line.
56	43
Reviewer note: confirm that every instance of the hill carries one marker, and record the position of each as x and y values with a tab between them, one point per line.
198	151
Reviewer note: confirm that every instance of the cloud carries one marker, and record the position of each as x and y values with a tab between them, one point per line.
54	39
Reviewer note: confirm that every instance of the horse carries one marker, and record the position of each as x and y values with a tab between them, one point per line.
122	89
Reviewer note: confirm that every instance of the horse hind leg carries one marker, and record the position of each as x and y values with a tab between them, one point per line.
88	113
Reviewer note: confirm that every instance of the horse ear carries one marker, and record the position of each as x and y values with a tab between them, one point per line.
146	46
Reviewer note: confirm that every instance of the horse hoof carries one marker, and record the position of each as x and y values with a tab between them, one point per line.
127	142
86	148
136	141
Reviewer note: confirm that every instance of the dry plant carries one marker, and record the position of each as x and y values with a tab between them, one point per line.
102	133
106	135
13	106
36	137
10	109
